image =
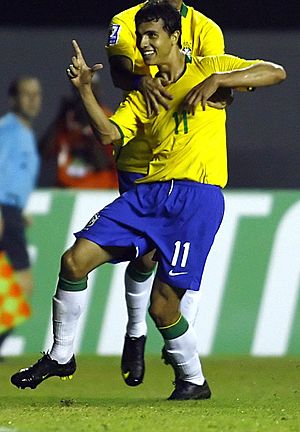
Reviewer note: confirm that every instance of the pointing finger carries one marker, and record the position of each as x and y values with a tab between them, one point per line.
77	49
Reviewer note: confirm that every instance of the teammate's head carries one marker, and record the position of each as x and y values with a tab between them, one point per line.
175	3
158	30
25	97
160	9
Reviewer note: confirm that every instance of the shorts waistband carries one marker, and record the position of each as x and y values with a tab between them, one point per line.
188	183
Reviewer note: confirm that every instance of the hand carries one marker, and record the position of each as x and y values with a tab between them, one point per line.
154	92
79	72
200	94
217	105
221	98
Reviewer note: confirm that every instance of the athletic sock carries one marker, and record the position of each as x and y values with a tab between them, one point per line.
68	304
181	347
189	305
138	288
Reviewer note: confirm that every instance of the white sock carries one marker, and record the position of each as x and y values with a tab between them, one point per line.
67	308
183	353
137	296
189	305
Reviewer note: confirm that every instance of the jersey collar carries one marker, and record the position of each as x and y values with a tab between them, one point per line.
188	58
184	10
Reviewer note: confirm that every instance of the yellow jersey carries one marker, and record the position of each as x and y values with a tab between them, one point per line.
183	146
200	37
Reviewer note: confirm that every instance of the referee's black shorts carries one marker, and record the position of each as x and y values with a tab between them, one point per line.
13	240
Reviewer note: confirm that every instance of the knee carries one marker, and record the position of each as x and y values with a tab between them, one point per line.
71	266
159	313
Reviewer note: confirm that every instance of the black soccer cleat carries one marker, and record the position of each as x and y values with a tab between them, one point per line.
185	390
44	368
132	362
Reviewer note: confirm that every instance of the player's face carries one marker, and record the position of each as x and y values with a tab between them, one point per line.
154	42
28	101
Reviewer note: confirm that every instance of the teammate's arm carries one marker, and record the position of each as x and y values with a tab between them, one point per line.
153	90
257	75
81	77
211	43
121	50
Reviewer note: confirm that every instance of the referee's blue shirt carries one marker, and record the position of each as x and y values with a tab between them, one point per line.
19	161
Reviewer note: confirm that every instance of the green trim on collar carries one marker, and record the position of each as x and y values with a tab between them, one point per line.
188	58
184	10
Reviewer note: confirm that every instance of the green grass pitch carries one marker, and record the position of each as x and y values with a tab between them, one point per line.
249	395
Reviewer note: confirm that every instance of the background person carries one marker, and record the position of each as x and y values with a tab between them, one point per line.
80	161
19	167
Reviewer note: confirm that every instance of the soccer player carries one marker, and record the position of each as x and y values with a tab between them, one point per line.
176	208
200	36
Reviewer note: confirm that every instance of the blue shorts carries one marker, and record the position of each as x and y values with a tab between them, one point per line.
178	218
126	180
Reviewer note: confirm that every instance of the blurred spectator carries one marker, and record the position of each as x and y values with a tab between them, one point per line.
19	166
81	160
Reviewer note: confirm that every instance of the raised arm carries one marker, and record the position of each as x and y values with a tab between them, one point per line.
80	75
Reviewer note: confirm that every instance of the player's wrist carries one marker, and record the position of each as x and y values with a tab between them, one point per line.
85	89
220	79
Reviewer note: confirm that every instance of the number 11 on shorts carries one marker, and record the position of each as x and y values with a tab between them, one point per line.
177	248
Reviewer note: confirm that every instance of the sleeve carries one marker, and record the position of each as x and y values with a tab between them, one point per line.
212	39
7	142
206	35
226	62
121	39
130	116
7	156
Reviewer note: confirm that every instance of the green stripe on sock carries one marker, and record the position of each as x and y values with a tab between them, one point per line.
67	285
136	275
174	330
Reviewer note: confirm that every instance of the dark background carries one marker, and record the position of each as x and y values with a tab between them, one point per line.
263	127
280	14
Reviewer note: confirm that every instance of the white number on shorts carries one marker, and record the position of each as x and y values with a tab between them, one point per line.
186	249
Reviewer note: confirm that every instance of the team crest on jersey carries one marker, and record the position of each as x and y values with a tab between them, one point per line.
92	221
187	48
114	31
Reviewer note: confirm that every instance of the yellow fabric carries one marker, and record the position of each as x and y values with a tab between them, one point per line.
184	146
200	37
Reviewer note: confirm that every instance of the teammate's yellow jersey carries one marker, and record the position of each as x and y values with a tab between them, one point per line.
183	146
200	37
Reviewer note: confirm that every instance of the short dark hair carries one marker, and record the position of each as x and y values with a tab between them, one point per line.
160	9
13	89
